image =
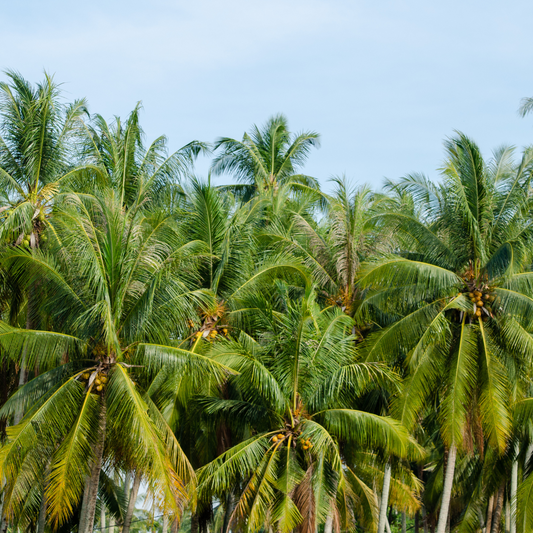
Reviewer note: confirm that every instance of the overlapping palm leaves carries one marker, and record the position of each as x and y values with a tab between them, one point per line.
334	248
123	163
117	282
298	382
458	304
37	154
265	158
175	315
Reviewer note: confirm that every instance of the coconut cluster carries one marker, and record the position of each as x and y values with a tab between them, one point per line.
306	444
210	334
482	299
100	380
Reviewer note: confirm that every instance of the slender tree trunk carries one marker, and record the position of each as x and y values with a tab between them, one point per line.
227	514
111	524
490	509
84	501
175	526
447	490
102	516
127	481
384	499
425	519
507	516
328	526
164	529
41	522
404	522
3	520
498	511
194	523
87	518
514	487
23	375
131	503
387	525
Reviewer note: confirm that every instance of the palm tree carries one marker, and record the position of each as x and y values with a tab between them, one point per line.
37	142
294	412
266	157
335	247
127	166
116	285
457	302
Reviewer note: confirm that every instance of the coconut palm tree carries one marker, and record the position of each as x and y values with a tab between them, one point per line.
136	172
334	247
295	410
37	145
116	285
266	157
457	302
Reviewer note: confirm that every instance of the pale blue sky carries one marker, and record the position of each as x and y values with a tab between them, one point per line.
383	82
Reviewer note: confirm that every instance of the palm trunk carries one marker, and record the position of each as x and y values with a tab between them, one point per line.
91	494
131	503
194	523
498	511
102	516
447	490
404	522
514	486
507	516
425	520
328	526
227	514
3	520
41	522
384	499
23	375
165	524
84	501
490	509
175	526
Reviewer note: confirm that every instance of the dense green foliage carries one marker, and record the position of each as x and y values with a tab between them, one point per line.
258	356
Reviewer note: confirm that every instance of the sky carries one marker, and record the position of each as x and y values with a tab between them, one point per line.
383	82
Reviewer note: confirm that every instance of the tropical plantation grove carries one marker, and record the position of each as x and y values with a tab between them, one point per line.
261	356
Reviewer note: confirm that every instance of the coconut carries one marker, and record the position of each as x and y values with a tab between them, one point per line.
99	388
486	296
103	379
86	375
280	435
470	294
478	312
274	439
305	447
97	381
480	303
